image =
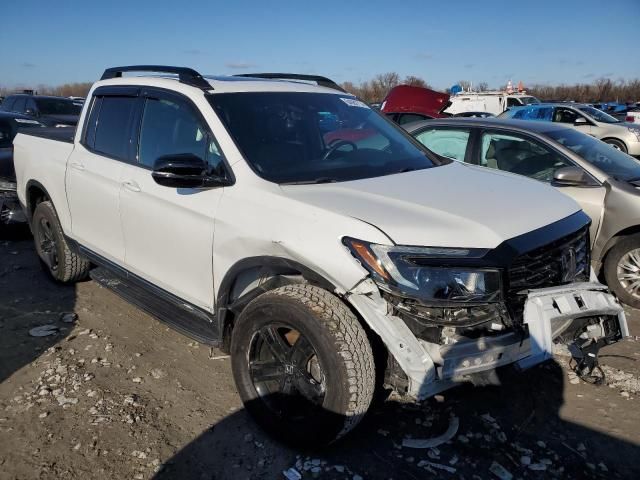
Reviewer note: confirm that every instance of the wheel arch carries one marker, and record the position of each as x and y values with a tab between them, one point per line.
250	277
35	193
614	240
619	140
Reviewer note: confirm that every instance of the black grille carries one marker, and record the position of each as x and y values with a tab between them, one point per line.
547	266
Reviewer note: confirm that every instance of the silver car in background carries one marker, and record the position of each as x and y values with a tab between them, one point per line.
603	180
586	119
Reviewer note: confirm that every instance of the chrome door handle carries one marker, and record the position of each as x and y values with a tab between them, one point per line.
77	166
131	186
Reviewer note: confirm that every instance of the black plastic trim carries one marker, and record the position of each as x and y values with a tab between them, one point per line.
188	313
320	80
117	91
30	208
188	76
503	255
267	262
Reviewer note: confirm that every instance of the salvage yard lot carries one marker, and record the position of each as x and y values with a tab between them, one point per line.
116	394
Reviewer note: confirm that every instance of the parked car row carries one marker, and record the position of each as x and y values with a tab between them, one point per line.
321	245
49	110
10	124
587	119
26	110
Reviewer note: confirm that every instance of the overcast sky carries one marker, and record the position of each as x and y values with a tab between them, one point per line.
543	41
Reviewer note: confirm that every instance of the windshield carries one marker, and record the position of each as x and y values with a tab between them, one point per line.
598	115
603	156
529	100
297	137
58	106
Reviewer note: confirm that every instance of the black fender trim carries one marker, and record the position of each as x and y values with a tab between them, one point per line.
285	265
30	208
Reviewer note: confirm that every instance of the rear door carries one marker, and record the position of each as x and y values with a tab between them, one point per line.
524	155
168	232
95	168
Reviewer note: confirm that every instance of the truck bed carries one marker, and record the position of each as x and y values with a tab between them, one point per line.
61	134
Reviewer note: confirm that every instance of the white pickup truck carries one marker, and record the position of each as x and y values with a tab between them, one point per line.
287	222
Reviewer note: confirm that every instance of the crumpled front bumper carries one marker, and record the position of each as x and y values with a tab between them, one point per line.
549	313
10	208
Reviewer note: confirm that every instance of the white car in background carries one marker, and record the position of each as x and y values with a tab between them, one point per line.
633	116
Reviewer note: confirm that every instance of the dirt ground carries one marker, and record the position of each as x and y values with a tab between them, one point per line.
116	394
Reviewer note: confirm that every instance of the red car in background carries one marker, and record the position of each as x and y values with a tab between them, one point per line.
406	104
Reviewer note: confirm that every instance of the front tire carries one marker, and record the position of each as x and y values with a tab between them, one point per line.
617	144
303	365
622	270
56	257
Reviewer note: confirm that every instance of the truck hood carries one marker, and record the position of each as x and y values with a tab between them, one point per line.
454	205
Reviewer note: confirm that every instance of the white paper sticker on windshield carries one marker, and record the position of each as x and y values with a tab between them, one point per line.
352	102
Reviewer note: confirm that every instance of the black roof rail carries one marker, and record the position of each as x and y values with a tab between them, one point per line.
186	75
322	81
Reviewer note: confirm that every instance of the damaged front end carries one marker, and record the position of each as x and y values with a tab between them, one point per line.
449	316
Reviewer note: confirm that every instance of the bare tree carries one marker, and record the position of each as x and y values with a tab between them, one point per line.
415	81
465	84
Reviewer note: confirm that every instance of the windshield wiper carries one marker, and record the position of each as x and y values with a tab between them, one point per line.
312	182
406	169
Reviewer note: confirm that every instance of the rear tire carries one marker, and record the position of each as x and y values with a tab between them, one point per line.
304	399
617	144
622	270
56	257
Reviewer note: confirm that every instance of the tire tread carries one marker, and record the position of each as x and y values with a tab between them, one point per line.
72	266
350	341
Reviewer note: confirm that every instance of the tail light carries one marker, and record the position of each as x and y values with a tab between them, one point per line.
629	118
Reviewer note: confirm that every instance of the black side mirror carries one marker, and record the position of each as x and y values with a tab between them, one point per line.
580	121
571	177
184	170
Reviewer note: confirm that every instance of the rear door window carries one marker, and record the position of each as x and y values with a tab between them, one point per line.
31	106
513	102
113	129
19	104
516	154
448	142
7	104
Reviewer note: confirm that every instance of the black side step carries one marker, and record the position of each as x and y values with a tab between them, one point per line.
179	315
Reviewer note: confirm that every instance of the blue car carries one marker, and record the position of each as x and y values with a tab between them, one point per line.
586	119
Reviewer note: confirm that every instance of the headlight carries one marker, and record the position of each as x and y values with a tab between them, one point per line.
62	125
426	273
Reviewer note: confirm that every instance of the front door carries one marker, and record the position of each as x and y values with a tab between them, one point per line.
572	118
168	232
